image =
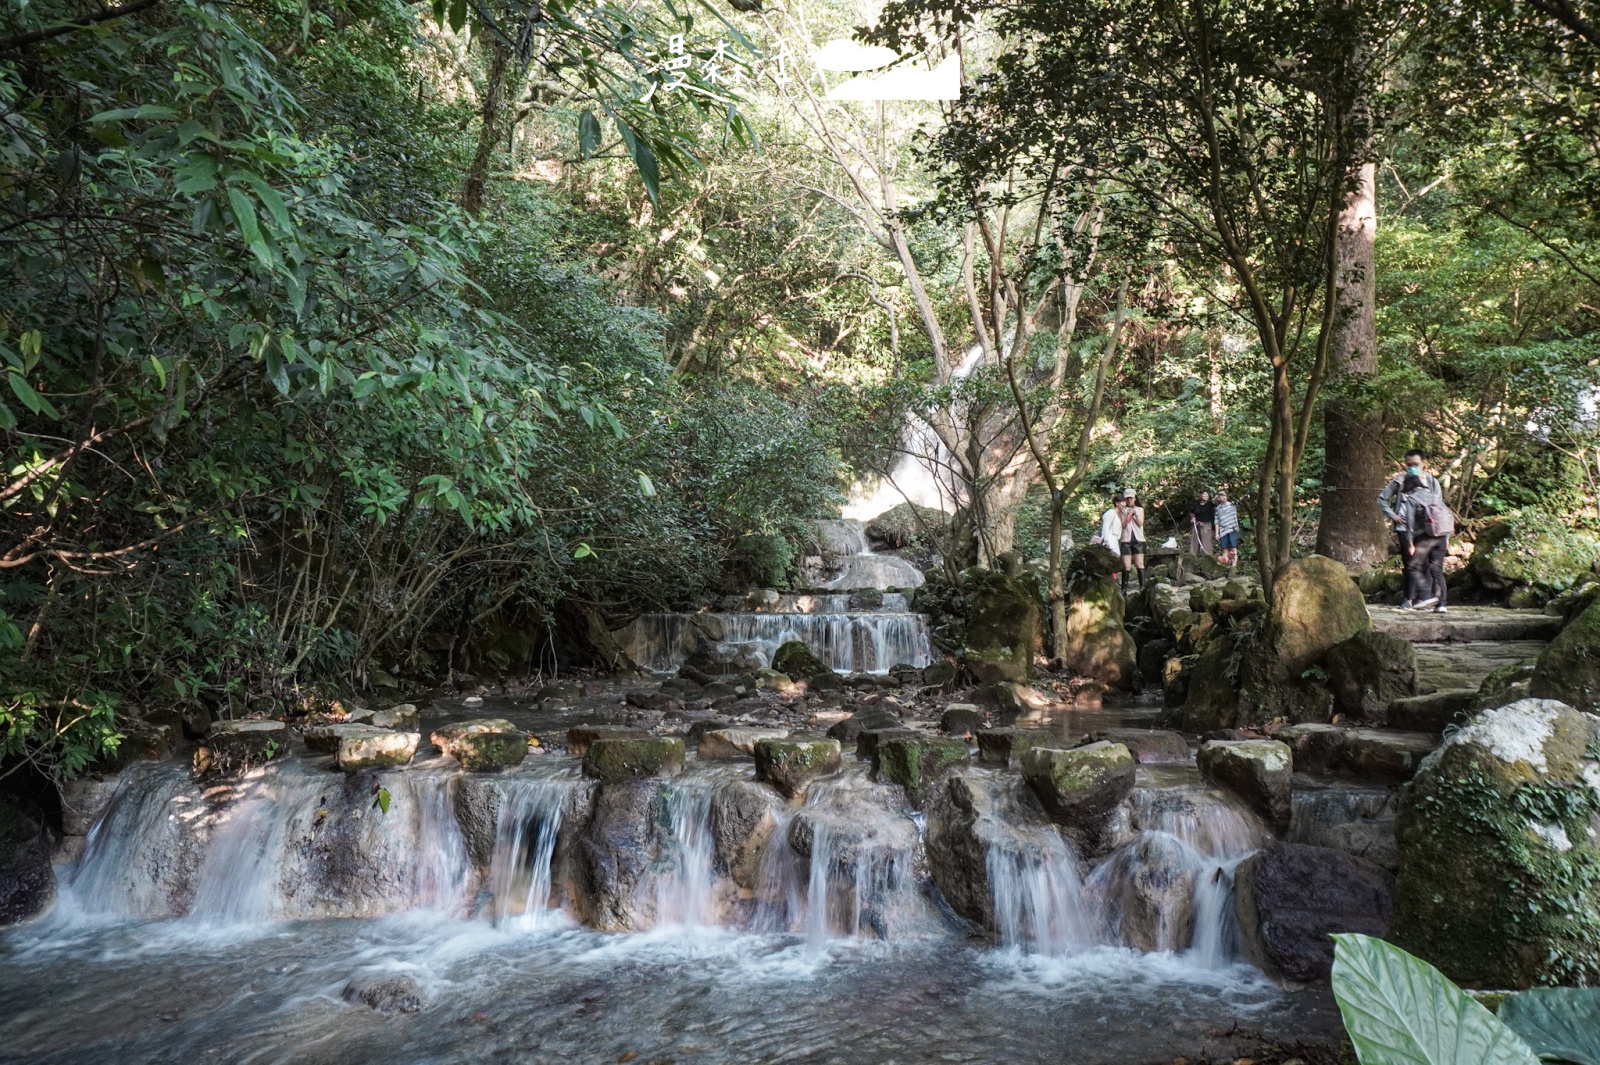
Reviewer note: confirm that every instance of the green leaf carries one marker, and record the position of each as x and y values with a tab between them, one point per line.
244	212
30	399
382	800
583	551
458	14
1399	1010
588	134
645	159
1559	1023
646	487
271	200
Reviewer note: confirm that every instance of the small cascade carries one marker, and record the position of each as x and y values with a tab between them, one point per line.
685	881
1037	893
859	642
527	826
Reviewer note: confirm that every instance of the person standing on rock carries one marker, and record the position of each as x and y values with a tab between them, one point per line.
1110	535
1203	526
1389	498
1132	538
1227	530
1430	524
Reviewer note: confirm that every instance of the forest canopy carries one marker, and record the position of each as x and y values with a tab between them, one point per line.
351	340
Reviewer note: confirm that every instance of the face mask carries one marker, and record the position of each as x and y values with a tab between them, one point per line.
1415	471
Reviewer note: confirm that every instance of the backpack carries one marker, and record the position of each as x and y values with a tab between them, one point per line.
1437	518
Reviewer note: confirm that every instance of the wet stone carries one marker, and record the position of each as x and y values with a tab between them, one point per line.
362	746
1261	772
482	744
1149	745
1081	786
1316	747
960	719
613	761
868	741
734	742
385	993
580	736
1375	754
917	760
404	718
1431	713
238	745
790	765
1006	746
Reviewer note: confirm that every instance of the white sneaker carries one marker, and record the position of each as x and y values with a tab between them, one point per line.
1441	609
1426	603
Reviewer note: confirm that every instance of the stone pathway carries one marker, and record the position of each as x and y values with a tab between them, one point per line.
1456	650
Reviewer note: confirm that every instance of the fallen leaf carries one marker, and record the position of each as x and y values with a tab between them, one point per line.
629	1056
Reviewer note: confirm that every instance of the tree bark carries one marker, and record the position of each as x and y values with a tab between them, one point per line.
1352	530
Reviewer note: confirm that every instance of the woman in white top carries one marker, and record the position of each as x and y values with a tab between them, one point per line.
1110	535
1132	538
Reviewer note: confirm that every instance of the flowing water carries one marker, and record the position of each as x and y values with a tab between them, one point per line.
217	923
858	642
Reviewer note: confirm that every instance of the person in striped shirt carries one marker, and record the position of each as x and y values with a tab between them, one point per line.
1227	530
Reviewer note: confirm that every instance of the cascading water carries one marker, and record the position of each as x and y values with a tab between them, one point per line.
685	881
527	827
860	642
1037	893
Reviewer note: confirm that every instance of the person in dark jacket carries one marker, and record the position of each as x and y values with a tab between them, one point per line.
1203	526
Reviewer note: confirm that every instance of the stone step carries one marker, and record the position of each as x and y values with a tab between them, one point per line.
1446	666
1465	624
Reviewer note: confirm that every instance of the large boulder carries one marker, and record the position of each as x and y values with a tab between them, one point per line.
1499	839
917	760
1315	607
1290	899
1569	668
743	818
1532	550
795	659
1369	671
1081	787
620	761
1504	686
1004	626
790	765
27	879
974	822
1098	647
1261	772
482	744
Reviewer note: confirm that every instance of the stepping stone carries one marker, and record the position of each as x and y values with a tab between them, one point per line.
580	736
1006	746
735	742
238	745
1447	666
1378	754
1149	745
482	744
1430	713
1261	772
617	761
356	746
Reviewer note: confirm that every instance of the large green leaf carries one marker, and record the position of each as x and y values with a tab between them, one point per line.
1399	1010
1559	1023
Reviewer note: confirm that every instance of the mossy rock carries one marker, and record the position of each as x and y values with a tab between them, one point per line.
1203	597
1315	607
1098	647
795	659
790	765
1006	746
1261	772
620	761
1499	882
1211	699
235	746
1569	668
1531	548
1368	672
1504	686
1080	787
916	761
482	744
1004	625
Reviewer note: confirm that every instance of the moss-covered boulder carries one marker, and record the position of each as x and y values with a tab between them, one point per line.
580	736
1504	686
235	746
482	744
848	731
961	719
1081	786
1569	668
1261	772
1531	549
621	761
1098	647
1211	694
916	761
790	765
1004	626
362	746
734	741
1369	671
795	659
1434	712
1006	746
1499	882
1315	607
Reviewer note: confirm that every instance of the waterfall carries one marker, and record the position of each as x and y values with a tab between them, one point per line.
685	881
863	642
1037	893
527	826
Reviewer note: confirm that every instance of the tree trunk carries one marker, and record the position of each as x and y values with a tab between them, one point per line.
494	100
1352	530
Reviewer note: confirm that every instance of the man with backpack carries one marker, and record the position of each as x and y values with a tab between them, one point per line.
1414	502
